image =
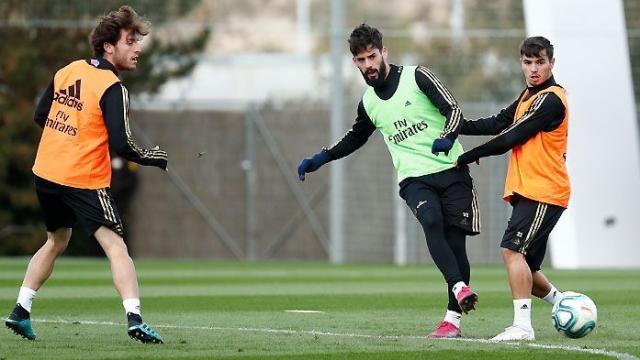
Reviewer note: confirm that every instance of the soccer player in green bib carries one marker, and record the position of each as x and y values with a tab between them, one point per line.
420	121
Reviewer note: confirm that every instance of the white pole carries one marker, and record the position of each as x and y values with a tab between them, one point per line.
303	27
400	243
336	196
456	19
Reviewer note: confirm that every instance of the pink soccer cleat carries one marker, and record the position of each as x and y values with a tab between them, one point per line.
446	330
467	299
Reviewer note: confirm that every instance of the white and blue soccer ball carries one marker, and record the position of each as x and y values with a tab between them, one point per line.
575	315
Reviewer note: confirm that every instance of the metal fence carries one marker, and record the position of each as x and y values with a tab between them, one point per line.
232	191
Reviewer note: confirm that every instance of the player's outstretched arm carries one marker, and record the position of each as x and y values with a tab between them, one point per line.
313	163
546	114
115	110
492	125
357	136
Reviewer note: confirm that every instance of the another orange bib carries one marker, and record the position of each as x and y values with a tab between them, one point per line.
537	168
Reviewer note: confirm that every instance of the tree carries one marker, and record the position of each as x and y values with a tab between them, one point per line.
37	39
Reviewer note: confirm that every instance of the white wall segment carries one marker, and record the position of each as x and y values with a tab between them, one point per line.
601	228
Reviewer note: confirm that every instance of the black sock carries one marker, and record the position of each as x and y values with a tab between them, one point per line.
456	238
134	319
19	313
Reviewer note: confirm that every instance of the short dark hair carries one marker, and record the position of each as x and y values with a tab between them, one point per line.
363	36
533	46
108	29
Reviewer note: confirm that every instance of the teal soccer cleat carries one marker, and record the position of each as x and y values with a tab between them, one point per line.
144	333
20	323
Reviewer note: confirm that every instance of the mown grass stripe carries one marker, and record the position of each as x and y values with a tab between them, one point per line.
614	354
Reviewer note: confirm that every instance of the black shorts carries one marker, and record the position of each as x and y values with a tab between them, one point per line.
453	189
529	228
63	205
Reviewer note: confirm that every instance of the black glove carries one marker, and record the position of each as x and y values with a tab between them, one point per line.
465	159
441	145
313	163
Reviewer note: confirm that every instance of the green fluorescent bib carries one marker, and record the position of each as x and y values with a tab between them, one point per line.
410	123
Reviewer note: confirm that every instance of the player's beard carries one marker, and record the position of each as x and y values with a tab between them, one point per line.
382	75
122	62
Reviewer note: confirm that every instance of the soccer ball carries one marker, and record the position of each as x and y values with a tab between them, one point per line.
575	315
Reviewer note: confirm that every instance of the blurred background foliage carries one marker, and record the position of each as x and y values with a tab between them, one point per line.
31	51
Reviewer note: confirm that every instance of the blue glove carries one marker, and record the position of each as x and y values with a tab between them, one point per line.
441	145
313	163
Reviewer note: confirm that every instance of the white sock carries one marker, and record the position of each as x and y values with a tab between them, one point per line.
131	306
553	296
457	287
522	313
453	317
25	297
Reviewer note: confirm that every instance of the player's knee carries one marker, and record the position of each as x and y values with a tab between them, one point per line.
109	240
57	247
59	240
115	246
510	255
430	220
534	267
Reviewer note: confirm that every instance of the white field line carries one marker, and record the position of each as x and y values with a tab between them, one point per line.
613	354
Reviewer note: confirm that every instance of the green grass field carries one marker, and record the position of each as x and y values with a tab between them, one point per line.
224	310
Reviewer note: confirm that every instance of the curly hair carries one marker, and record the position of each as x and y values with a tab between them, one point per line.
363	36
108	29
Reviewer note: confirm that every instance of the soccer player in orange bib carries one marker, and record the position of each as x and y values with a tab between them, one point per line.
84	113
534	128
